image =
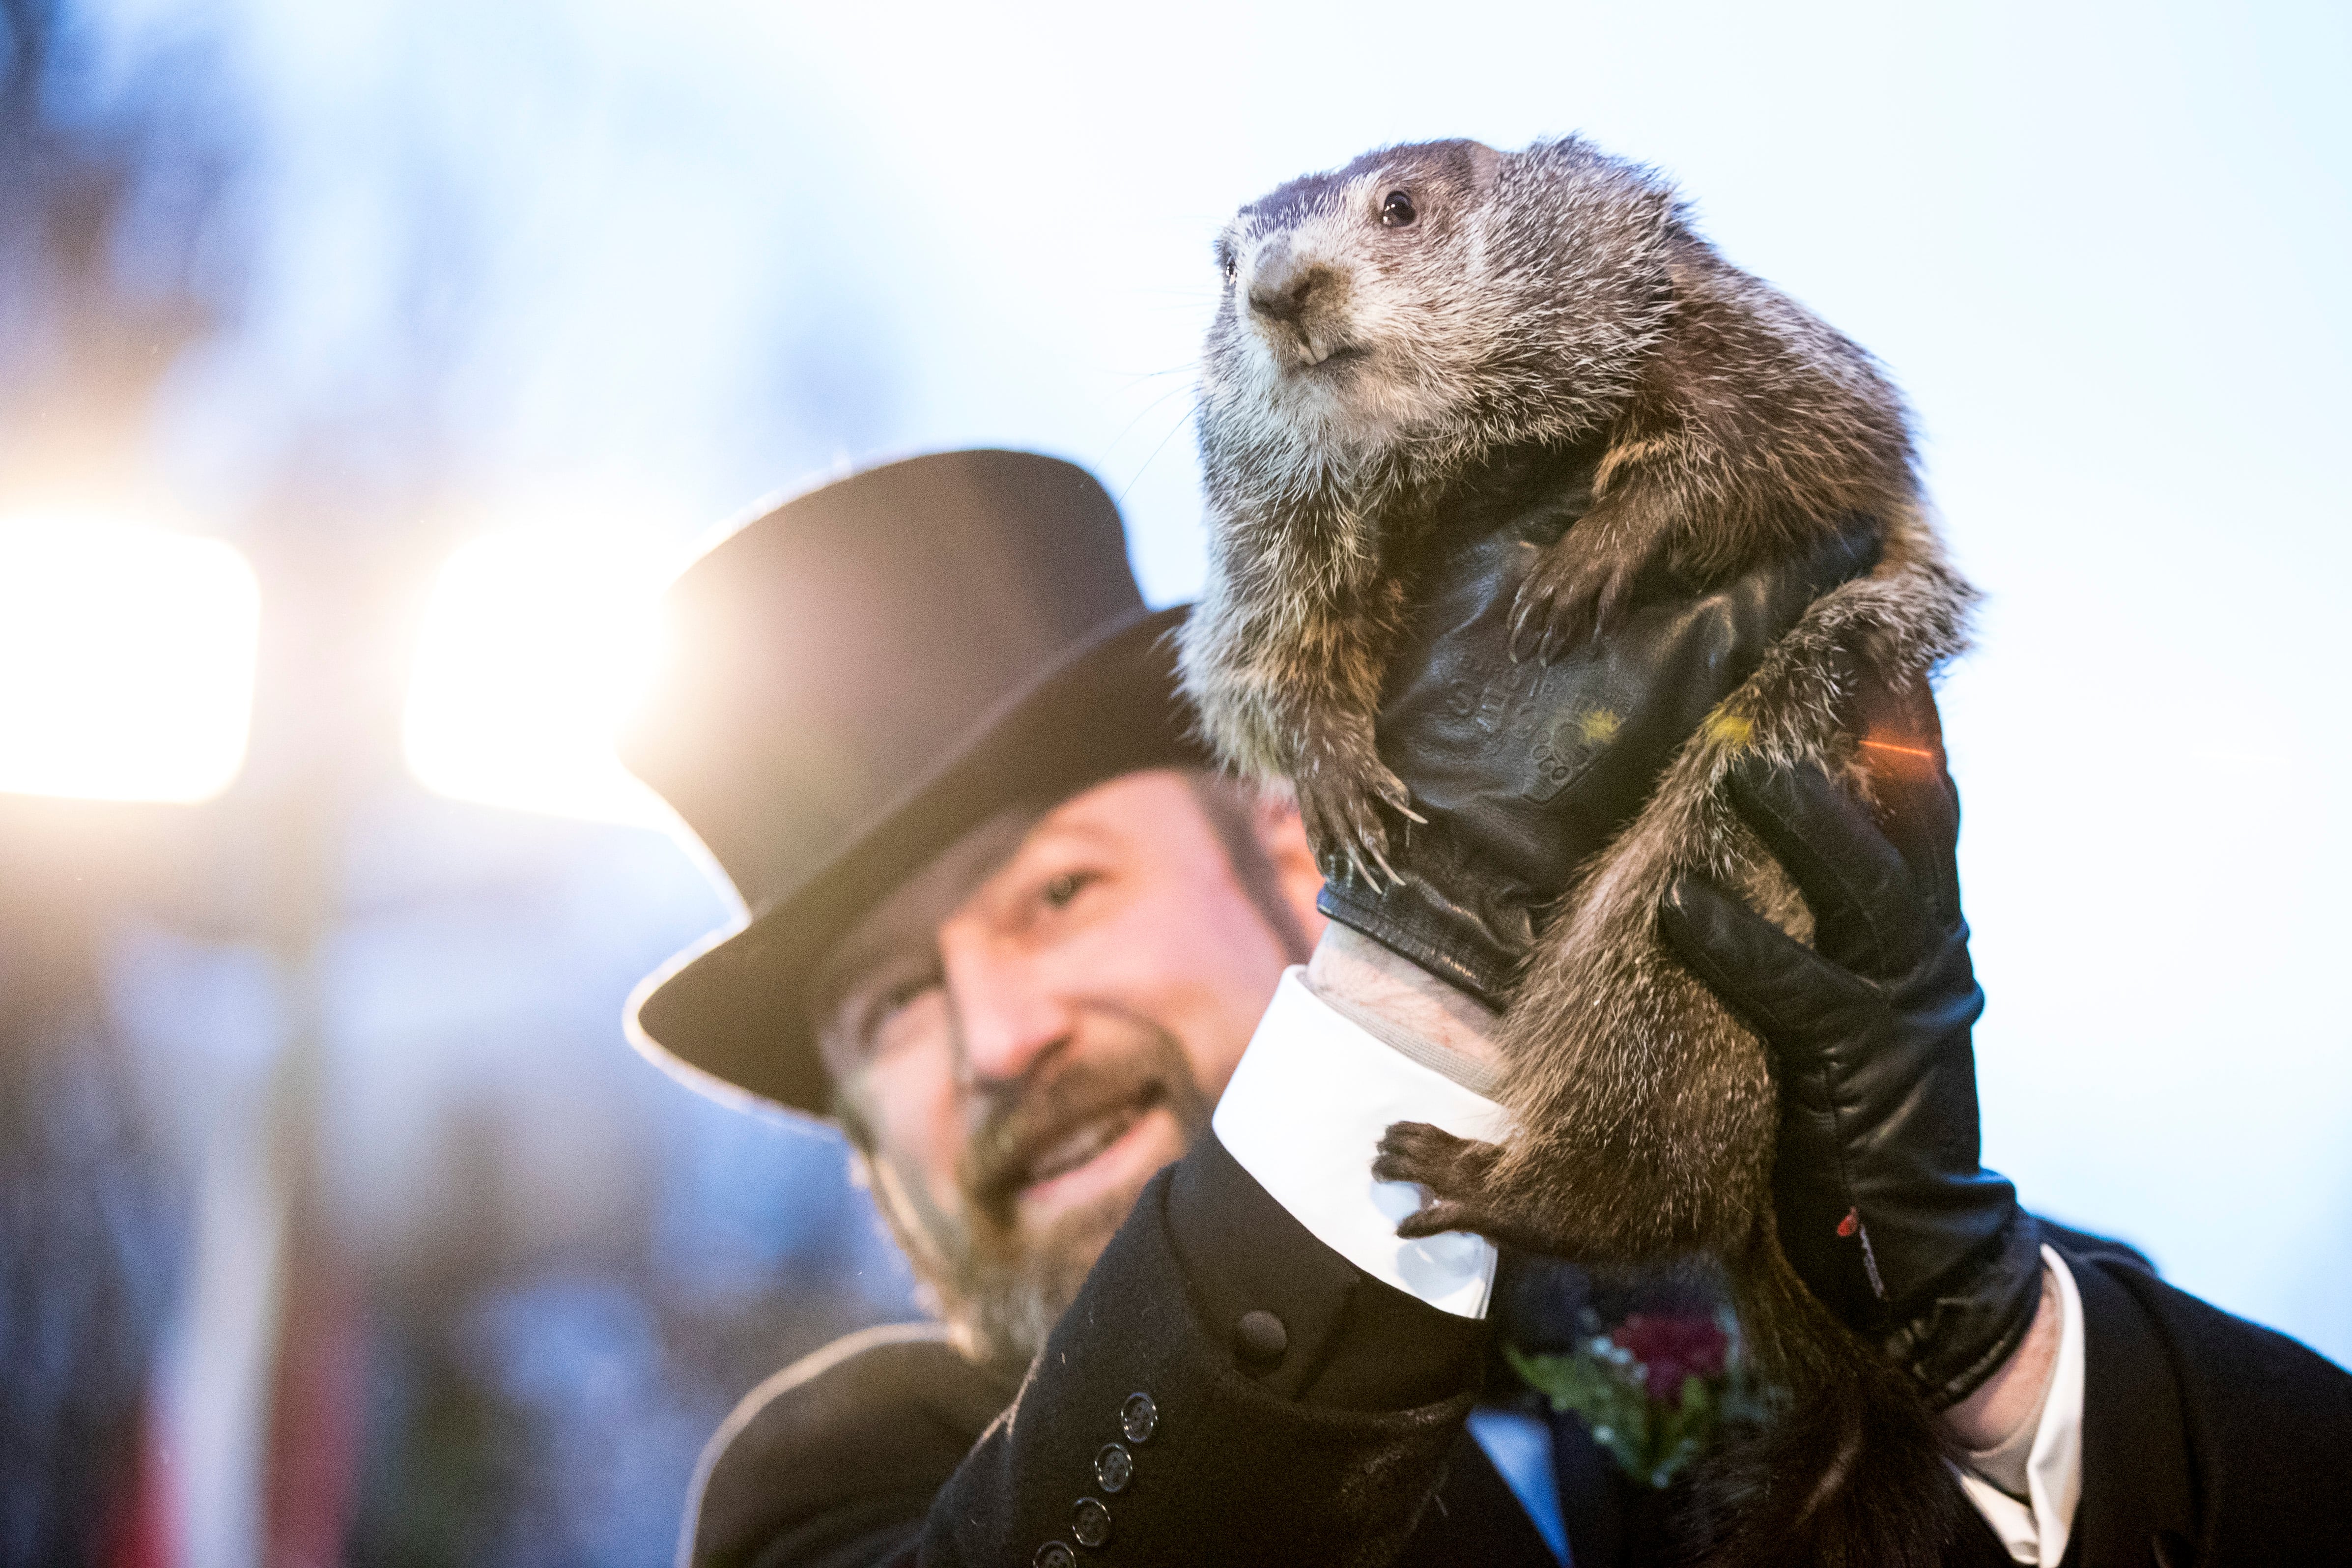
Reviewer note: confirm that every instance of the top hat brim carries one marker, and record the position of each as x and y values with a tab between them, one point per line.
732	1015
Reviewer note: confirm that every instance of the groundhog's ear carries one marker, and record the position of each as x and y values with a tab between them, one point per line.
1484	162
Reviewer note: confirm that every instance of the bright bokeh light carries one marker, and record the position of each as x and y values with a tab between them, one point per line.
536	645
126	662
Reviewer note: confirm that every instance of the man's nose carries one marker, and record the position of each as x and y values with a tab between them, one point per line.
1283	285
1005	1017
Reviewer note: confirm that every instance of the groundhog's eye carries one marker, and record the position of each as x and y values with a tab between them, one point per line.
1396	209
1226	260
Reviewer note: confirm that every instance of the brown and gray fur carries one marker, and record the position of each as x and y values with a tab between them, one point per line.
1365	379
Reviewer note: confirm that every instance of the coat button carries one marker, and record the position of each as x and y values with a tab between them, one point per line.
1138	1417
1090	1522
1259	1340
1114	1468
1055	1554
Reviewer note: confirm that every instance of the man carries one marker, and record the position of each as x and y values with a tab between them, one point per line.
1009	929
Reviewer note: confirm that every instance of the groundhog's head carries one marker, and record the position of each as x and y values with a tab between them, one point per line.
1435	301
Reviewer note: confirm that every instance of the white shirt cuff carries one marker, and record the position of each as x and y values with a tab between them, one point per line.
2036	1531
1304	1114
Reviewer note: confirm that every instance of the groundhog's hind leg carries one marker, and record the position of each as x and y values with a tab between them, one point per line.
1459	1174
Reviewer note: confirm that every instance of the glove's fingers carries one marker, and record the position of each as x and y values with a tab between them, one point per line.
1919	810
1867	915
1781	988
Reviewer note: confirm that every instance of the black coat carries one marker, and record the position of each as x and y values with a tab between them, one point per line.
2206	1439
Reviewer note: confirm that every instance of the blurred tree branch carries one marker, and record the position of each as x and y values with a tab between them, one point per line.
113	242
111	265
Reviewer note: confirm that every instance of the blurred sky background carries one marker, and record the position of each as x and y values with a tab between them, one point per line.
370	282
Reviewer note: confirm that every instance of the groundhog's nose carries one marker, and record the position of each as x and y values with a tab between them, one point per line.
1284	287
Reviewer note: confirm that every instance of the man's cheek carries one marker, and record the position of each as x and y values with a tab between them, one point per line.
1109	958
914	1110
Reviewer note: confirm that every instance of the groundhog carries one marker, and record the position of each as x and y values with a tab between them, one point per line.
1409	342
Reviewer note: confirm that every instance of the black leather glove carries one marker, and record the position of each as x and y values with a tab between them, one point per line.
1883	1209
1526	770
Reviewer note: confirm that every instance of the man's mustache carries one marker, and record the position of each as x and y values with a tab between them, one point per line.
1023	1123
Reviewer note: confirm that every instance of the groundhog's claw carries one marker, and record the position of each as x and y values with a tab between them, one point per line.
1448	1167
1342	787
1435	1218
1345	830
1454	1170
1569	598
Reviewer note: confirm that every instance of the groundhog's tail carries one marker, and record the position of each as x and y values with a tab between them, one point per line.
1851	1474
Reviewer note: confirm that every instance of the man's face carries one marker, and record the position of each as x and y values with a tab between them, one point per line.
1030	1027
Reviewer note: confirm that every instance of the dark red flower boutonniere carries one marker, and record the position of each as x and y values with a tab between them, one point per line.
1655	1391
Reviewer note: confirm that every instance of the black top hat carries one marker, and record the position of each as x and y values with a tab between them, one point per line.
854	680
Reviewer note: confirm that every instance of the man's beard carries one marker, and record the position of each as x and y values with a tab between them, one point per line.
1002	1285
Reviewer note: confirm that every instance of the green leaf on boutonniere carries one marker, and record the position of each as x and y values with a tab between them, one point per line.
1655	1392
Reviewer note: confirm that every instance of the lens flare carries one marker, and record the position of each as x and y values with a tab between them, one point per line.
536	644
126	662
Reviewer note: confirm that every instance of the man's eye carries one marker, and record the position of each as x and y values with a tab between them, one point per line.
906	991
1058	892
897	999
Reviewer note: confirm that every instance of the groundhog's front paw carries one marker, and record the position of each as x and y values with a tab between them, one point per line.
1455	1170
1341	791
1573	594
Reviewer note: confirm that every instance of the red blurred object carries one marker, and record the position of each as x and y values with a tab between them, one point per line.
314	1414
1672	1348
145	1530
